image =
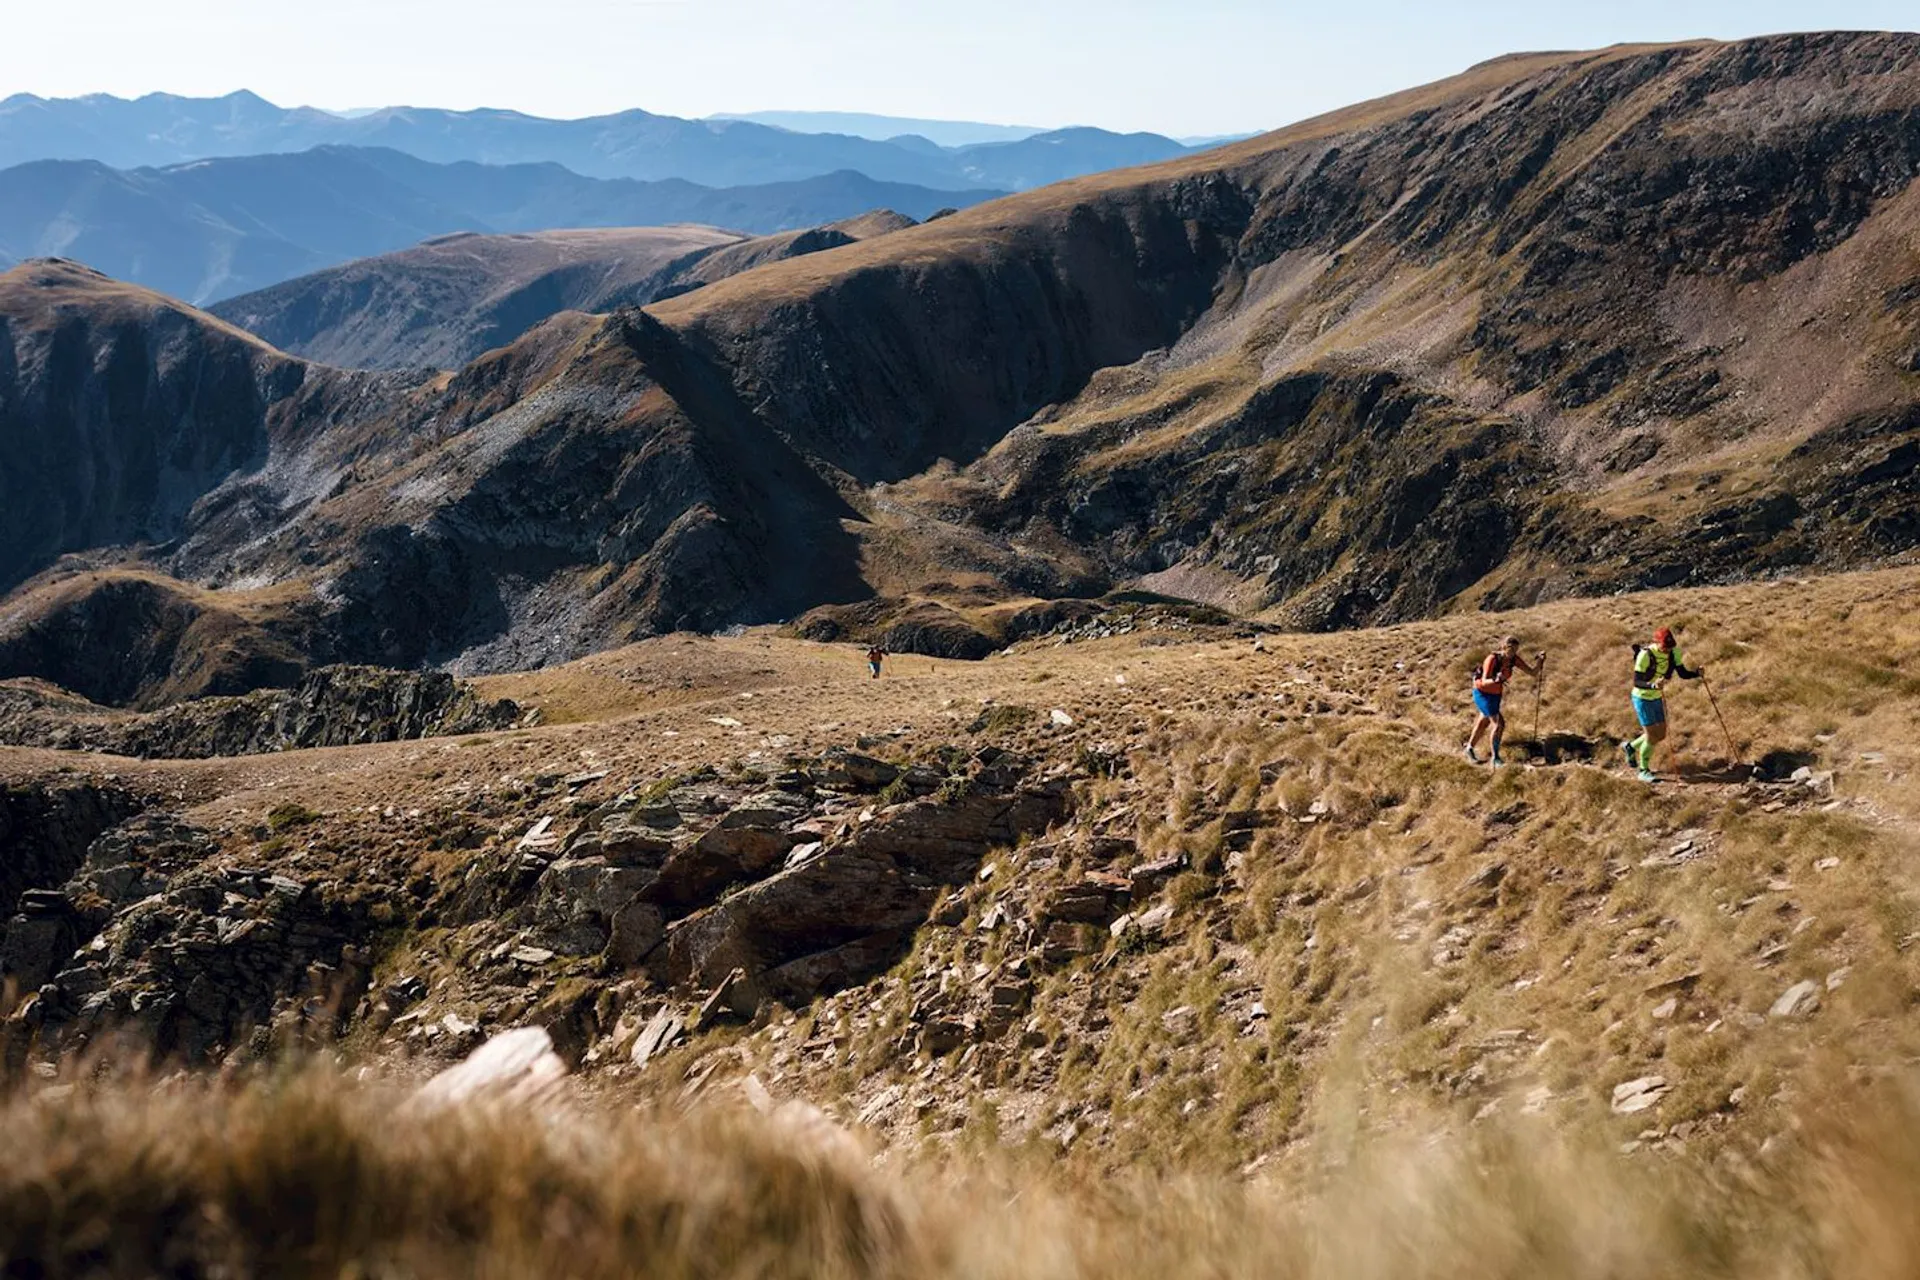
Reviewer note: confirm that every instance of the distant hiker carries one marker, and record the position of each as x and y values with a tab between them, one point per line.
1652	667
1490	686
875	656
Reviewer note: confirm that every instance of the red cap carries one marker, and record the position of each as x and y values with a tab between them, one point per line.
1664	638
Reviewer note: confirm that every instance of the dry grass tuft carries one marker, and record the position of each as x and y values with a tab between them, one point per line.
303	1174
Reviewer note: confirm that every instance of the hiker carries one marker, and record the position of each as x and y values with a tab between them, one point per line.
875	656
1652	667
1490	686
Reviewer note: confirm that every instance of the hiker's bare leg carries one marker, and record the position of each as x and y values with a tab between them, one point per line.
1479	728
1499	732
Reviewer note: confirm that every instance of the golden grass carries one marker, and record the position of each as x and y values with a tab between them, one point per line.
1398	992
300	1174
33	294
1394	984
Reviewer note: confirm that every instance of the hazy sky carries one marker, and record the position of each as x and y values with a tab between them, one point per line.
1196	66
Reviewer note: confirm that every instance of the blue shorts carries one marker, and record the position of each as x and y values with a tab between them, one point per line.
1489	703
1650	711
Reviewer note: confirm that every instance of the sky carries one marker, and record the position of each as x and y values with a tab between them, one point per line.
1193	67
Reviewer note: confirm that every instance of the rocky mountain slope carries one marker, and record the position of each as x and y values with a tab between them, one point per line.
445	302
215	228
165	129
1170	896
1567	323
120	408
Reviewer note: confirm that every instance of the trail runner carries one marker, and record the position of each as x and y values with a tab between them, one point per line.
1652	668
1489	687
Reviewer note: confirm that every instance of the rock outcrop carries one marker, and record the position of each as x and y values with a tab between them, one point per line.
329	707
156	936
741	886
801	888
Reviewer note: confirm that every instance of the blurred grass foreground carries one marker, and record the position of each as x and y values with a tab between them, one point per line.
303	1172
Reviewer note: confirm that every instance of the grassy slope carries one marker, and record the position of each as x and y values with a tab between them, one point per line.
35	294
1794	352
1390	982
1385	1118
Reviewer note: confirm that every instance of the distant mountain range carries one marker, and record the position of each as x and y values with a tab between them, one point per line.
862	124
944	133
216	228
163	129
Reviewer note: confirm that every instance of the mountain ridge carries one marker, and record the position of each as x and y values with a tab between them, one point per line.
210	229
1412	357
163	129
445	301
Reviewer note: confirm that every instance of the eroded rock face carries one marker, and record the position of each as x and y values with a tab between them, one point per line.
128	863
46	828
789	885
330	707
116	416
193	968
153	936
801	887
846	910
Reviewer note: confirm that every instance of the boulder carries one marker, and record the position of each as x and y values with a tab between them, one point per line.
660	1033
581	904
1065	942
750	840
1797	1001
1149	876
845	770
1638	1095
515	1067
1005	1003
941	1036
737	996
1096	899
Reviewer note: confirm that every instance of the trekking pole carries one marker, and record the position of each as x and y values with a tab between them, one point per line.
1538	686
1733	753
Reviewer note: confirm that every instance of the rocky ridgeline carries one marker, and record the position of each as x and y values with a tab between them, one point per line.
331	707
744	887
936	631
